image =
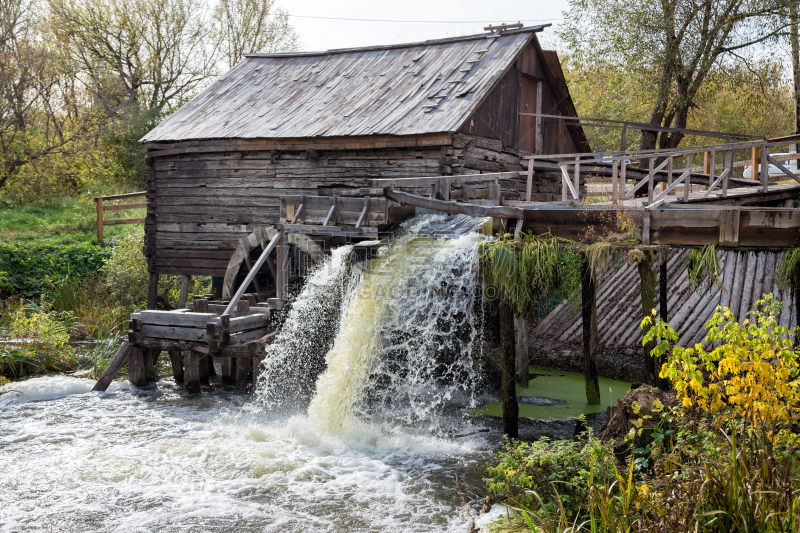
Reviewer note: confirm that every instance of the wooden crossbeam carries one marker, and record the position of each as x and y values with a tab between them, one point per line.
253	271
568	181
783	168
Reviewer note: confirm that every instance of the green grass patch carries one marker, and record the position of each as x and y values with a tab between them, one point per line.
58	222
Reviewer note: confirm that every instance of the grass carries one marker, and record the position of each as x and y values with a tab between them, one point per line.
58	221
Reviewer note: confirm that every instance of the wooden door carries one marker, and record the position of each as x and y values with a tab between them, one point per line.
529	103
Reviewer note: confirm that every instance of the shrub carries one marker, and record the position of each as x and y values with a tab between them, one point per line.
36	340
752	372
546	475
125	273
29	270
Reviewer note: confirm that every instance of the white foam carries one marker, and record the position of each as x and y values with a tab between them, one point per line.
51	388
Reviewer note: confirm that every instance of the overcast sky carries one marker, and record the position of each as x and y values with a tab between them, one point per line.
324	34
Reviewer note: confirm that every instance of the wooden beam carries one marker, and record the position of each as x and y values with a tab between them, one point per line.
367	142
152	290
256	267
435	180
177	364
113	368
452	207
185	282
99	207
508	390
529	183
591	337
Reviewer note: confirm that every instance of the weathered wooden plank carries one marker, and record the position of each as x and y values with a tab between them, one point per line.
175	333
172	318
729	228
453	180
113	368
192	371
453	207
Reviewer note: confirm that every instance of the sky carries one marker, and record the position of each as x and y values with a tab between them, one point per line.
471	17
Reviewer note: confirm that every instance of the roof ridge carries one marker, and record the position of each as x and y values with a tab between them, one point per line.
446	40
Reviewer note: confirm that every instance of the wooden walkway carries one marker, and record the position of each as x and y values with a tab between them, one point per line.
735	196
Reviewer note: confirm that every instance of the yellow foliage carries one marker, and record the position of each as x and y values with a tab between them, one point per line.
750	372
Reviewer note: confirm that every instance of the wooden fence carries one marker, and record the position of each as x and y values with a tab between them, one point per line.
102	207
674	168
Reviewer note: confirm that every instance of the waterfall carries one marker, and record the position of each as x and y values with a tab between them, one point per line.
402	346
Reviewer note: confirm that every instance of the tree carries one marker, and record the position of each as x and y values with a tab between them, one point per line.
42	108
671	45
252	26
139	55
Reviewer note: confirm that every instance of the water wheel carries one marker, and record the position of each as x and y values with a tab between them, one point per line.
258	241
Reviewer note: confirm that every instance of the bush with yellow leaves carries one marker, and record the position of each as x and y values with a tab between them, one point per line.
750	370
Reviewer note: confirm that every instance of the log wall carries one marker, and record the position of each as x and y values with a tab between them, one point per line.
201	203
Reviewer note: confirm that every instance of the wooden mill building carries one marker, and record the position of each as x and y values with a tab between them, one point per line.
323	123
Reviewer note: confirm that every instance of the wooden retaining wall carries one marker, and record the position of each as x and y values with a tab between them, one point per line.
746	276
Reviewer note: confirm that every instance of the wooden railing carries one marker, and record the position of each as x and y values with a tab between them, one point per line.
673	168
102	207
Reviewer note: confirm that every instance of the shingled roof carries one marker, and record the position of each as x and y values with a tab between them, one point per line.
410	89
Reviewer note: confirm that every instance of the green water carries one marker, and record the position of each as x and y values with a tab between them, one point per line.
566	386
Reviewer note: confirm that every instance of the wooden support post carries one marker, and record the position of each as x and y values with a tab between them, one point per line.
707	163
623	176
136	367
99	207
217	282
590	334
564	178
614	177
687	183
522	355
119	359
152	291
185	282
192	371
669	172
754	157
529	184
177	365
577	179
282	283
647	281
764	169
202	363
244	373
212	372
663	300
228	369
150	360
508	389
650	180
712	169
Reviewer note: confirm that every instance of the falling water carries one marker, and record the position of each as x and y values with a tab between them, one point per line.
406	339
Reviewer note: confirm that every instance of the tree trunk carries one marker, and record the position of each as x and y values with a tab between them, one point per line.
795	41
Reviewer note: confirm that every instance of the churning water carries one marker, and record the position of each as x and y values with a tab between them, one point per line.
350	429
